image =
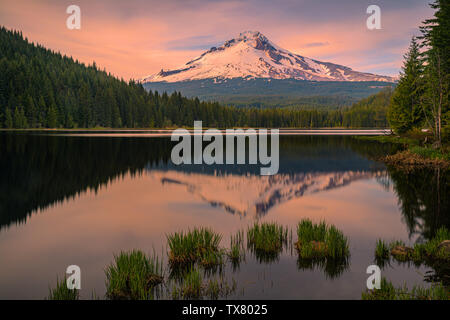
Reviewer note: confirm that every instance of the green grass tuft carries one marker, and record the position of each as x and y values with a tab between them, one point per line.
381	253
429	252
192	285
381	250
216	289
133	276
267	240
236	252
388	291
195	246
320	241
430	153
61	292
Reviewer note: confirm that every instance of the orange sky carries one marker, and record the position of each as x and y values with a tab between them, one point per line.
135	38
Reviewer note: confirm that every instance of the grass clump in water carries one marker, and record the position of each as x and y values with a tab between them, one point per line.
133	276
192	285
388	291
211	259
195	246
381	253
434	253
320	241
438	248
381	249
435	250
266	240
61	292
236	252
219	288
321	246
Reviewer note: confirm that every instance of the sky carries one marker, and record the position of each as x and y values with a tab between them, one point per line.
136	38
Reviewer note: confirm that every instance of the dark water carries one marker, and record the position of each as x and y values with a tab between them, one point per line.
78	200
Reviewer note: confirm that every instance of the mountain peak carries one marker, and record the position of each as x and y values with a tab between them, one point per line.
253	55
256	40
253	39
251	35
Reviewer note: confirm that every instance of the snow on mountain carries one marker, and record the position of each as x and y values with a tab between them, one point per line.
252	55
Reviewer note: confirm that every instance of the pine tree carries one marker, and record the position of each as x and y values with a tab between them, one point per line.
32	112
20	121
405	111
41	111
436	42
52	117
8	119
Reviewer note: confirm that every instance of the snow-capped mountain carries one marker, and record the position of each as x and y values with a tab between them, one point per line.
252	55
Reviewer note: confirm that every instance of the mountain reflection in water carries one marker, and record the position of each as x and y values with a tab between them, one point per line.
255	195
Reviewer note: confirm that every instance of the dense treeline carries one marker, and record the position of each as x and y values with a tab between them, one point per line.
40	88
369	112
421	98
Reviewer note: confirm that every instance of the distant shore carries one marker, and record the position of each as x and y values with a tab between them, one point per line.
168	131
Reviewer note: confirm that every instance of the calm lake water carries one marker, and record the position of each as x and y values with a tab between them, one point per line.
81	199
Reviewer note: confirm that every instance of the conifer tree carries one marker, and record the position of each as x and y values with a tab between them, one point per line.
436	42
20	121
52	117
405	111
8	119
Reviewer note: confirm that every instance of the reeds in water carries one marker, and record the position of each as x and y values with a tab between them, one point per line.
200	245
133	275
381	253
219	288
320	241
61	292
388	291
192	285
435	250
236	252
267	240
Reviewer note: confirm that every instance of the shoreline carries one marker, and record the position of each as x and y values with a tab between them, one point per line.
167	132
415	154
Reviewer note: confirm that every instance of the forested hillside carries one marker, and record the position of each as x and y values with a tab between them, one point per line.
40	88
269	93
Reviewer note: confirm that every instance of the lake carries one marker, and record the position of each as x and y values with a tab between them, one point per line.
69	198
